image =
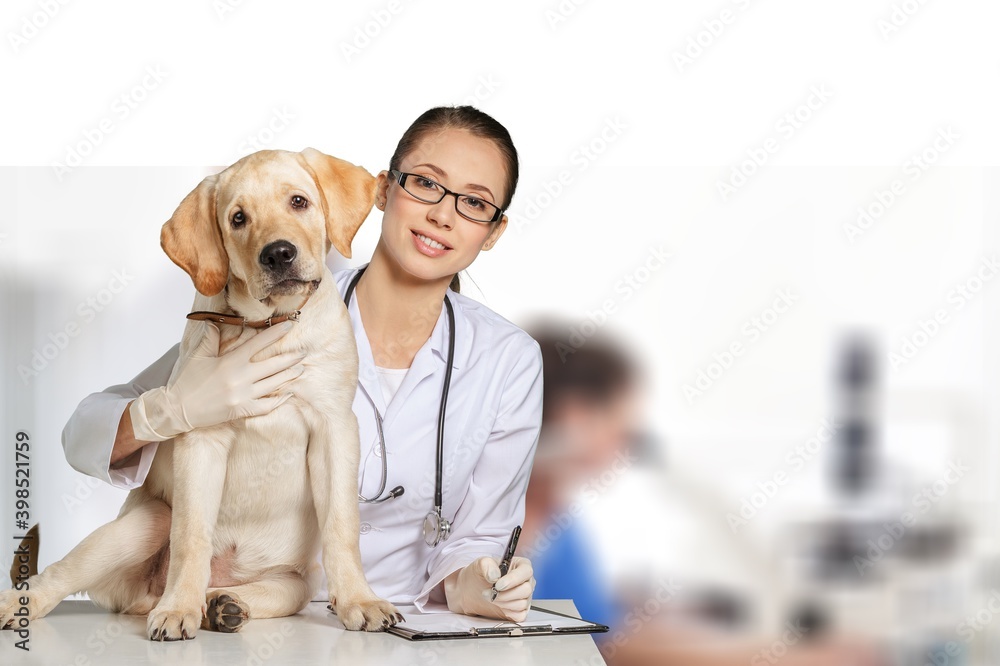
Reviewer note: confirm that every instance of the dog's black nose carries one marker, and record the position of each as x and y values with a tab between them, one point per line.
277	255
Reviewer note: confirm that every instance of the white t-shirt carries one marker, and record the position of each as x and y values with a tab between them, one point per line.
390	379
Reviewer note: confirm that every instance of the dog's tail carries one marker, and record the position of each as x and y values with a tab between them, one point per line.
25	563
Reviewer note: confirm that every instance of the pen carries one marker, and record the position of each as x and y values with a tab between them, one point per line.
508	555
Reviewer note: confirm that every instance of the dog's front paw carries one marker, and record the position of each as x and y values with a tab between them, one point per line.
173	625
226	612
12	614
366	615
15	615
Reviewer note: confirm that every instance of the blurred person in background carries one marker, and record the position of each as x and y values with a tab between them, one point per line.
592	405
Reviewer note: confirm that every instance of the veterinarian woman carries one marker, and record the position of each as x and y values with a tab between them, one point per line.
494	405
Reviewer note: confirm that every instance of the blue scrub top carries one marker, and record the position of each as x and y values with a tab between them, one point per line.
568	569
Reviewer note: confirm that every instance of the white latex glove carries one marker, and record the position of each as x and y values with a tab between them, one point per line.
212	389
469	590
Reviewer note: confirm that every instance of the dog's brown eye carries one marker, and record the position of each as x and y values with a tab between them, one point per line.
238	219
299	201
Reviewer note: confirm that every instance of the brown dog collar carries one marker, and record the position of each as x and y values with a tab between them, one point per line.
236	320
221	318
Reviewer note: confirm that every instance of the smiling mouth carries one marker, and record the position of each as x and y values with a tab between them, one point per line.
430	242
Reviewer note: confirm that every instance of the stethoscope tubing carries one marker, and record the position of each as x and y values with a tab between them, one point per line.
439	472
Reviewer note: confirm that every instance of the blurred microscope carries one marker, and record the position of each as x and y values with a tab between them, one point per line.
887	554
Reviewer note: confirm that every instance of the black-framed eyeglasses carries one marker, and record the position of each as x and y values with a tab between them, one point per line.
469	206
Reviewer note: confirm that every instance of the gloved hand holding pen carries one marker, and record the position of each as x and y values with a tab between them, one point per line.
470	589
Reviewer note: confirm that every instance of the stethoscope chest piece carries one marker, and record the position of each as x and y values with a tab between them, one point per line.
436	528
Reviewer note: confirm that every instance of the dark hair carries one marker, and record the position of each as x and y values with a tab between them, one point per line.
594	370
472	120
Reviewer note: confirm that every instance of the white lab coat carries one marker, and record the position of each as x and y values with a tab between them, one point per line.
491	430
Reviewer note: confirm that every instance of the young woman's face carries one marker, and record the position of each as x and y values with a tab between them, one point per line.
432	241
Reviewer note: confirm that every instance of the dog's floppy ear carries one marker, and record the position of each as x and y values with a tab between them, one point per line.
348	193
192	240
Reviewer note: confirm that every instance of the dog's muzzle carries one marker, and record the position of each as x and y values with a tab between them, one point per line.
280	270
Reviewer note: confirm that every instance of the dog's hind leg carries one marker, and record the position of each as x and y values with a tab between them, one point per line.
94	565
278	595
137	589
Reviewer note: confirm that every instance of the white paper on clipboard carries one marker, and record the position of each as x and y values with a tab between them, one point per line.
417	625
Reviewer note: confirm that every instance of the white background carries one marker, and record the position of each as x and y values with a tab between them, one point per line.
348	78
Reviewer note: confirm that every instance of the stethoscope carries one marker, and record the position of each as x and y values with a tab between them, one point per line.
436	528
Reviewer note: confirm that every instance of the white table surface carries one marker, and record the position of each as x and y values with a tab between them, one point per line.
78	633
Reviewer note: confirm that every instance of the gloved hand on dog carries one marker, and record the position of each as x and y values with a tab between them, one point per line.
212	389
469	590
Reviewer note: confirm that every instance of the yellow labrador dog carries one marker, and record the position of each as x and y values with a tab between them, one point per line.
238	511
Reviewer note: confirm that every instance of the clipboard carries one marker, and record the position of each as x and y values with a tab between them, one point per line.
449	626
